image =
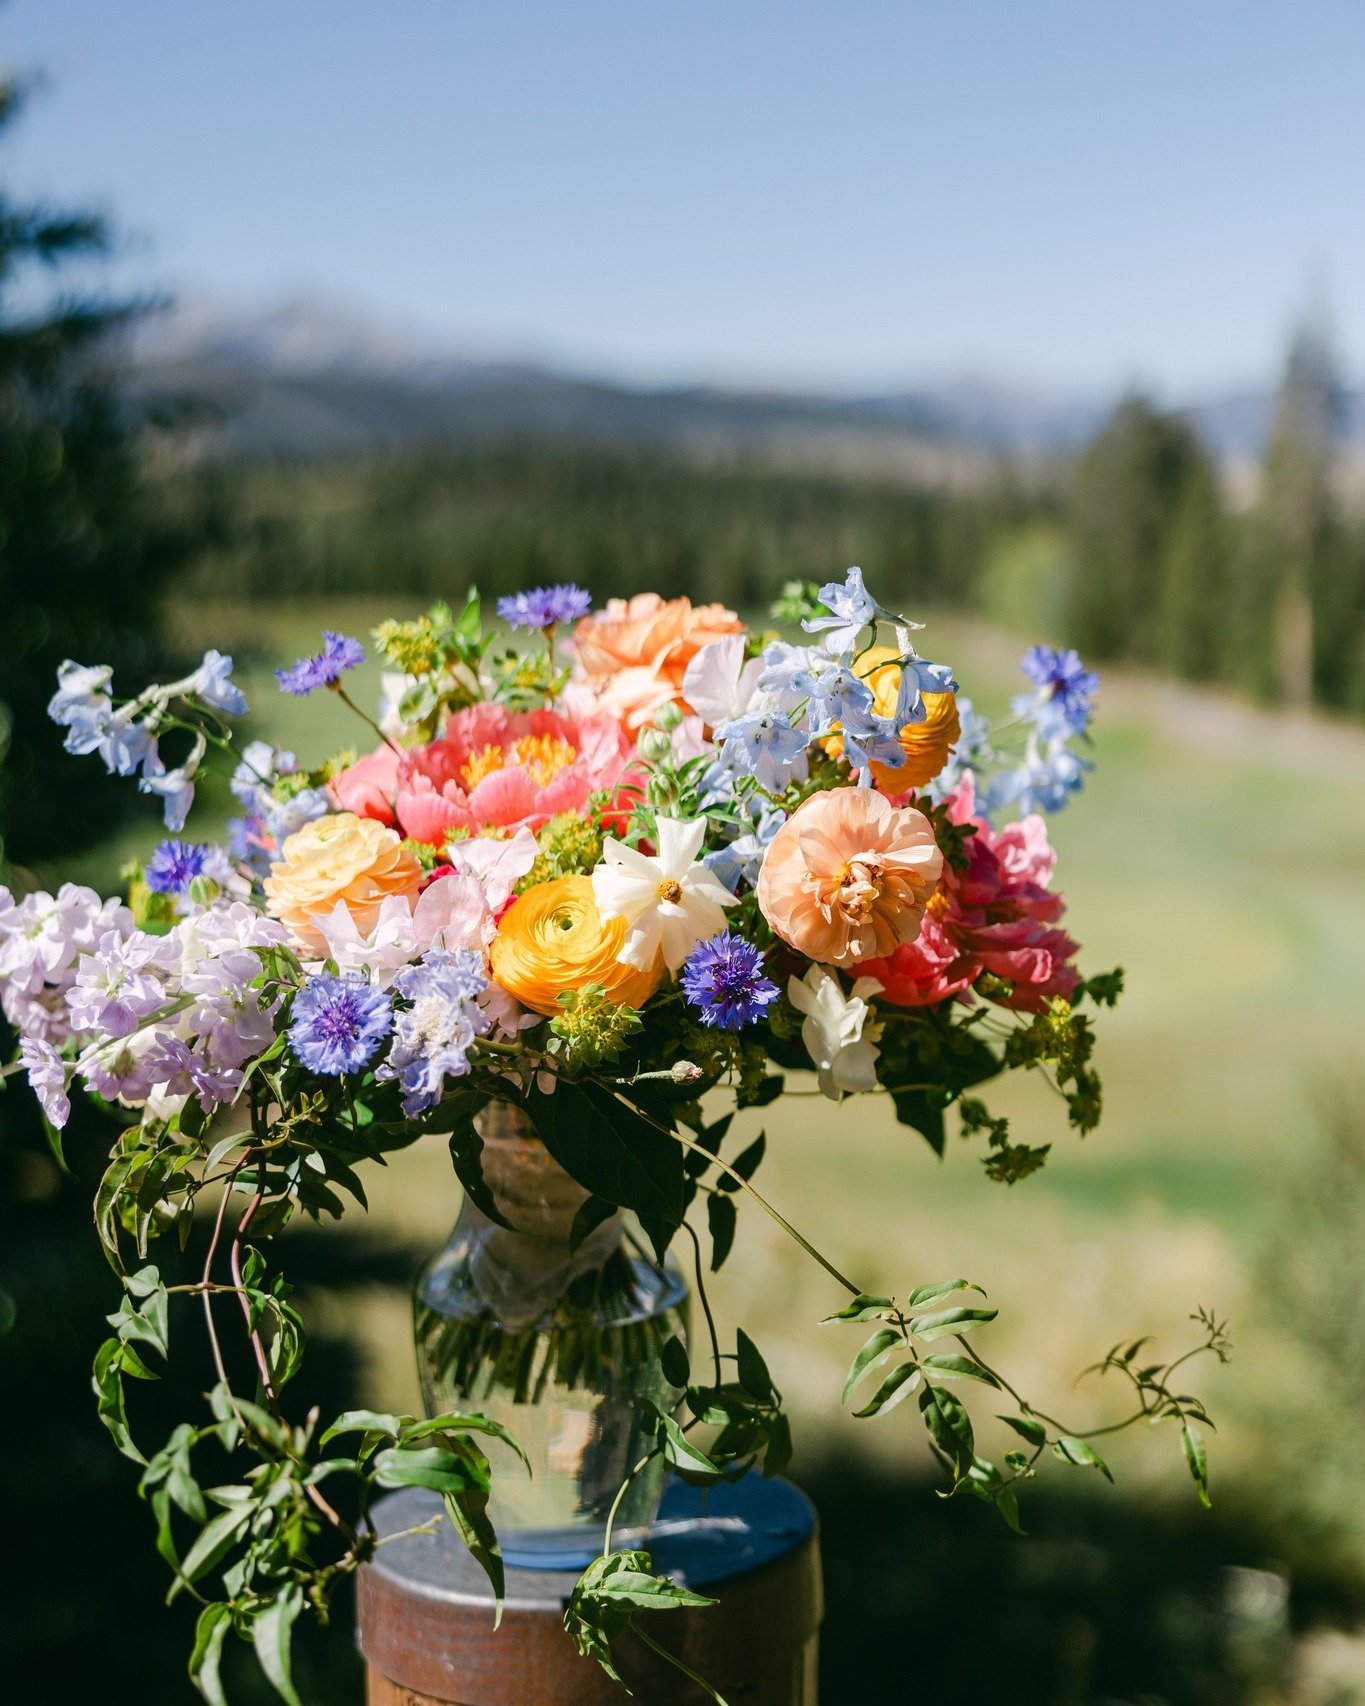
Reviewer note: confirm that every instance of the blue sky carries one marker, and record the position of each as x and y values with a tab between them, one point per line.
1078	194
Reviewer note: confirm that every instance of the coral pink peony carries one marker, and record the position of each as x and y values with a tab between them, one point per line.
848	876
998	915
367	787
504	770
633	655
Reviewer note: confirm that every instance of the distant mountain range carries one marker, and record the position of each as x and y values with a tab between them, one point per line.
306	379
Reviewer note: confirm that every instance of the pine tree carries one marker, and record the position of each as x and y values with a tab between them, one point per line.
82	552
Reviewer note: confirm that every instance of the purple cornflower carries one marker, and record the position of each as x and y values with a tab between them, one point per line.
1066	687
545	606
338	1023
723	979
325	668
175	865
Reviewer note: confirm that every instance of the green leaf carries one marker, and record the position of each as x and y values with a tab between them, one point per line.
862	1308
1027	1428
900	1383
213	1544
468	1513
611	1149
1197	1458
363	1421
459	1423
721	1219
931	1293
950	1427
593	1213
1072	1450
1008	1506
745	1164
876	1350
753	1371
466	1155
441	1470
946	1321
271	1634
679	1450
960	1367
210	1632
674	1361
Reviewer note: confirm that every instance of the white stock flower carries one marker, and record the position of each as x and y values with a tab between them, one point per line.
836	1030
670	902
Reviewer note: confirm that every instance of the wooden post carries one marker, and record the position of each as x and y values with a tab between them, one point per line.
425	1611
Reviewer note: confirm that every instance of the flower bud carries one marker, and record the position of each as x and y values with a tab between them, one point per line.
685	1072
668	717
654	746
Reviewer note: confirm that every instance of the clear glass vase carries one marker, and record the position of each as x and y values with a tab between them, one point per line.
561	1346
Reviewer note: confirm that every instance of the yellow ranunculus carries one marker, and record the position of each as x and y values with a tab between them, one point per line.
553	938
356	860
926	745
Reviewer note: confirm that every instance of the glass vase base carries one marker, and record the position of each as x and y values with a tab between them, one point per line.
571	1548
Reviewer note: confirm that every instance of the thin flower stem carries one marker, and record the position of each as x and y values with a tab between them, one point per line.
768	1209
637	1470
705	1301
365	717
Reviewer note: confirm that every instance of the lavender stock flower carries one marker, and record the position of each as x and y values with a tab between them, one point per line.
325	668
723	979
338	1023
545	606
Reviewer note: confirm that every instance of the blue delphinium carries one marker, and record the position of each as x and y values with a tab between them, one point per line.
835	695
545	606
338	1023
870	739
972	751
1044	782
175	865
325	668
919	677
723	979
212	685
433	1036
851	609
739	860
174	788
1064	702
766	745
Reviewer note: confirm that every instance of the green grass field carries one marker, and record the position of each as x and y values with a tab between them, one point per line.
1215	855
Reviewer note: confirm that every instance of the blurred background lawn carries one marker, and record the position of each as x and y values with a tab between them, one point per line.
242	476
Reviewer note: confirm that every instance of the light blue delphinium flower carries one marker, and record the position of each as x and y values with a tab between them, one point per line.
769	748
919	677
174	788
836	695
1043	782
972	751
212	685
433	1036
851	609
739	860
870	740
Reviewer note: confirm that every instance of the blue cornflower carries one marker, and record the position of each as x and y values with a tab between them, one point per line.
851	608
1064	703
338	1023
325	668
770	749
545	606
723	979
175	865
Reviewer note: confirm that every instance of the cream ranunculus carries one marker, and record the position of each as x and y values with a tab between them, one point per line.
345	859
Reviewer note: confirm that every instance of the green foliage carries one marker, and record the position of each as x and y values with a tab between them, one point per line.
591	1031
570	845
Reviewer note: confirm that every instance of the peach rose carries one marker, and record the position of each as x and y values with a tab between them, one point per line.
633	654
342	858
926	745
553	938
848	876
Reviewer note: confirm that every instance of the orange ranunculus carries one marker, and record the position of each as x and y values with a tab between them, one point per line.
354	860
848	876
553	938
633	654
926	745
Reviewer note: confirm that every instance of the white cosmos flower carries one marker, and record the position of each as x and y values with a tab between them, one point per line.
670	902
836	1030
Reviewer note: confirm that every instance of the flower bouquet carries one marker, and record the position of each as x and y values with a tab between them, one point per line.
603	879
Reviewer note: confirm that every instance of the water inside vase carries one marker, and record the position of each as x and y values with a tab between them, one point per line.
572	1385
